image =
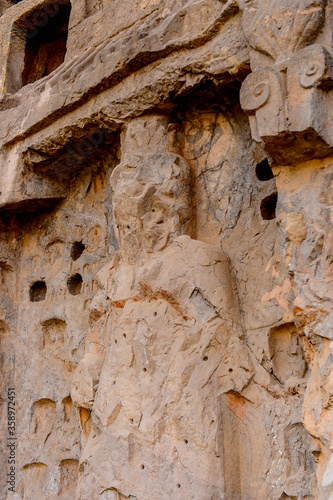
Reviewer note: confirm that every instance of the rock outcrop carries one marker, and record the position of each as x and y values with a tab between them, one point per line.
166	293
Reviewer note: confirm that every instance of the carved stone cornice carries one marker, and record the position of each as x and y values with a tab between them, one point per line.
288	94
101	68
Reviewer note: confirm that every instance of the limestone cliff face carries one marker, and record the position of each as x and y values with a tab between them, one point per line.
166	249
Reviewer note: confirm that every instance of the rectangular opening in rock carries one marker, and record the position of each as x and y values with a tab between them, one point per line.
38	44
46	45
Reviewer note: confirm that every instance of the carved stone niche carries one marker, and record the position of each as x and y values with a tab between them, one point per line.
288	96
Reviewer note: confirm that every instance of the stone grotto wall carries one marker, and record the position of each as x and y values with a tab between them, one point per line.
166	249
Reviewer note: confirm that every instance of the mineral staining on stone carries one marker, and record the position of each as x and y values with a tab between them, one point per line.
166	248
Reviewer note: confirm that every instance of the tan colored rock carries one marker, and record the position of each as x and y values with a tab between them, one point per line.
166	249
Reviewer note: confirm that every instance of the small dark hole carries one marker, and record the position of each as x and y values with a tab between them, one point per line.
142	466
155	313
230	370
264	171
178	486
124	335
38	291
186	441
77	250
116	341
268	207
145	369
128	227
74	284
153	210
205	358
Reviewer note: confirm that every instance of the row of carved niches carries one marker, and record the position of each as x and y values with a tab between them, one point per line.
288	95
37	478
38	289
52	467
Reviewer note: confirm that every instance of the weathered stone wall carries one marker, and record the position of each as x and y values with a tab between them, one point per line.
165	249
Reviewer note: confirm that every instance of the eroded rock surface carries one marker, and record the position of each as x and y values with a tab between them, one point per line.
166	249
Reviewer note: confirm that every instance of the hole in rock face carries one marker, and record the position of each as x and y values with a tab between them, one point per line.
38	291
46	39
74	284
77	250
268	207
264	171
3	330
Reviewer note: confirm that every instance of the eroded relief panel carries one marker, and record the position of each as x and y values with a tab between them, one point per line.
166	249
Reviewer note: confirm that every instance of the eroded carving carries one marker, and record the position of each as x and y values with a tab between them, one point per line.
288	362
168	288
54	333
191	376
68	477
35	480
288	95
43	417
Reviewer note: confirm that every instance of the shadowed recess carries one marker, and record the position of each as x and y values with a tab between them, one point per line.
268	207
74	284
264	171
47	32
77	250
38	291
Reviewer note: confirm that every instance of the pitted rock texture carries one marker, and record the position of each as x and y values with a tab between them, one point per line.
166	249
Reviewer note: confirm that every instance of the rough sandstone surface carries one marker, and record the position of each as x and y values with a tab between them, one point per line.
166	248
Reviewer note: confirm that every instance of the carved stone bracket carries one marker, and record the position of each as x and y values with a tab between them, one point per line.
288	96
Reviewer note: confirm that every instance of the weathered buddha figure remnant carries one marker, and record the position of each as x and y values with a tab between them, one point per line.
173	336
